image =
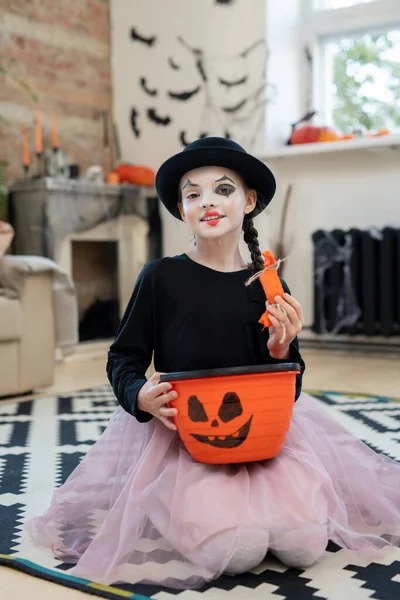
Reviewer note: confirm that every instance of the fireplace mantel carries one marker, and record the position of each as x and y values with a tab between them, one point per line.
49	215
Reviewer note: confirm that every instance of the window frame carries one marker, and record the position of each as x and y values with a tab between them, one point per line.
321	25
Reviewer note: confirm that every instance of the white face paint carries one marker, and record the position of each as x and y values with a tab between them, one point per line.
214	201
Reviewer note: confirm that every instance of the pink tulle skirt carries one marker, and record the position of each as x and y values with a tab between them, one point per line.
138	509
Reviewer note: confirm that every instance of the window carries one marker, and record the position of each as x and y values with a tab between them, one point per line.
324	4
355	50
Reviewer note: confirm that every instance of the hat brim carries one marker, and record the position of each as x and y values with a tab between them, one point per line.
255	173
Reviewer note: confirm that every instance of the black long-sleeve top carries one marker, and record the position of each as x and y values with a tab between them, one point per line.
192	317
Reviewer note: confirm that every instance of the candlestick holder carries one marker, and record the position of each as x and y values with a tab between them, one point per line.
40	171
58	162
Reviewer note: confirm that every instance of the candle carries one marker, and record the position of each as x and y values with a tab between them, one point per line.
25	147
113	178
38	134
116	144
106	141
54	133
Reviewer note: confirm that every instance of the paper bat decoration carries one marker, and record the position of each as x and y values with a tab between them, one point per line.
137	37
236	107
185	142
173	64
143	84
183	96
134	116
157	119
230	84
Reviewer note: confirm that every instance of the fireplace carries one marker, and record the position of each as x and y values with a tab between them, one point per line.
104	263
101	235
95	274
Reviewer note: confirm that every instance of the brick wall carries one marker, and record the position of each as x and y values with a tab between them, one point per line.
61	49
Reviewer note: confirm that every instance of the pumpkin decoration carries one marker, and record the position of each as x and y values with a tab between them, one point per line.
304	132
379	133
234	415
309	134
328	135
135	174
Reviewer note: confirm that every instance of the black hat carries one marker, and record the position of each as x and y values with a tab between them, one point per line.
215	152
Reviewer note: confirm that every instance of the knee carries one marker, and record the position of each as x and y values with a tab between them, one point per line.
236	552
303	555
250	550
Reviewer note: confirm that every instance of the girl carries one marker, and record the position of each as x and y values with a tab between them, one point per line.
138	508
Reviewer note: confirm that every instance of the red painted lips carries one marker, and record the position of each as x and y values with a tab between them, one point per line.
212	218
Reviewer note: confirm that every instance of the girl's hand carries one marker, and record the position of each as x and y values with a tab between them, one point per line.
153	398
286	325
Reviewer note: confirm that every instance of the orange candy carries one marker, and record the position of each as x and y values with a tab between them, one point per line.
271	284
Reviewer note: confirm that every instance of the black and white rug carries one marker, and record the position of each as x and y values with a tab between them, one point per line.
43	440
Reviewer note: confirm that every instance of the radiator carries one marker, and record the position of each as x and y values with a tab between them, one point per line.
357	282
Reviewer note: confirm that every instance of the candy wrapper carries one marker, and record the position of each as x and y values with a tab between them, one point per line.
271	284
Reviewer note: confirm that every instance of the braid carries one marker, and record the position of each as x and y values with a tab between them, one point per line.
257	265
251	239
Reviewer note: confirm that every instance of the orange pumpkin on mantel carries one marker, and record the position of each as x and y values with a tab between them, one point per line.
311	134
135	174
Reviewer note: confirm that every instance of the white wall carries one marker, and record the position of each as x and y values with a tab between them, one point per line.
340	190
285	70
223	32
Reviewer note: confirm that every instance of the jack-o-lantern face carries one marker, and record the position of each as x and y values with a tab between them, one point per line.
220	426
230	410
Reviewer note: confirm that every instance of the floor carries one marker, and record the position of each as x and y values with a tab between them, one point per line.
335	371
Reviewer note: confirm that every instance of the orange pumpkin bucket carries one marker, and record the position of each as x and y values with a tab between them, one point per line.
234	415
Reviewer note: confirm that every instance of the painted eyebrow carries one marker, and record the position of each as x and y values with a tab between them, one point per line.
188	182
225	177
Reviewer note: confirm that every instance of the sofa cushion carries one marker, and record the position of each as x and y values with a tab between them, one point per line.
10	371
6	236
10	320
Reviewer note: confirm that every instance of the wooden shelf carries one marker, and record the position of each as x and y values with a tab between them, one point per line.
387	142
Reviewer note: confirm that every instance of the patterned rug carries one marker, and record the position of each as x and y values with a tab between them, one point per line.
50	435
